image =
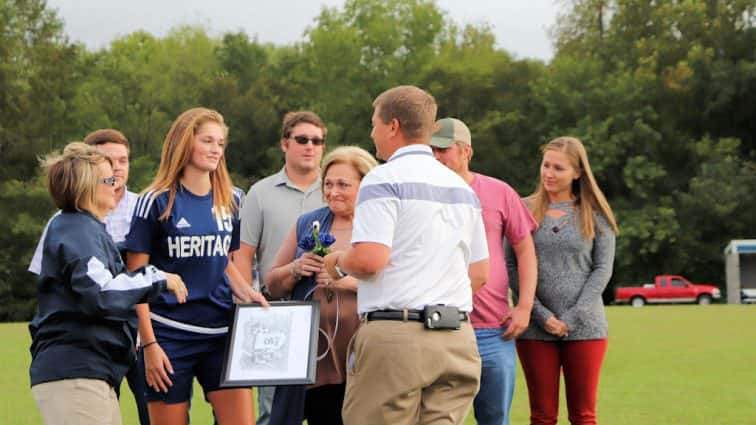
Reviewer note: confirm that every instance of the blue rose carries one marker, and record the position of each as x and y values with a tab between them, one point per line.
326	239
307	243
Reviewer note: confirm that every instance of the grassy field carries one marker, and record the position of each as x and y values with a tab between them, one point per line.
665	365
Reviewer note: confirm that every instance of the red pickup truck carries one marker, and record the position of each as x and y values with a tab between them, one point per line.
668	289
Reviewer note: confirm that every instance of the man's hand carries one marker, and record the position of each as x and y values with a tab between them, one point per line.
330	261
519	319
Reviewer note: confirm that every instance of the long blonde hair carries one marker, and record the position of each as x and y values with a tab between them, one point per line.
177	150
589	198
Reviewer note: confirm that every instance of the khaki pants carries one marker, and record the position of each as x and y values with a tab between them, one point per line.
77	402
401	373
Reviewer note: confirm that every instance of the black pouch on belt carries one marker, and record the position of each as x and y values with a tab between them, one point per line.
441	317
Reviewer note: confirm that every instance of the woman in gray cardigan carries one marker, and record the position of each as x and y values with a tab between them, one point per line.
575	248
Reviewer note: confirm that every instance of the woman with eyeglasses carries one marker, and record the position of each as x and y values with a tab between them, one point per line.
187	222
82	343
298	273
575	248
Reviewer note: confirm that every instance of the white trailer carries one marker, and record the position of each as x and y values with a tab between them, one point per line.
740	269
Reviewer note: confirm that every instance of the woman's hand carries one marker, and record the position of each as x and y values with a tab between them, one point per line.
176	285
556	327
244	292
156	368
256	297
308	264
323	279
347	283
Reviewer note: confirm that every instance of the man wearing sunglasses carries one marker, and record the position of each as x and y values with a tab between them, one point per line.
273	204
116	146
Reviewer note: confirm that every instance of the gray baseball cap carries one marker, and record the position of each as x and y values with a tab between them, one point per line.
450	131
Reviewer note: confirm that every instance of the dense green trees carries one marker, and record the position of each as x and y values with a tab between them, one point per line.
662	93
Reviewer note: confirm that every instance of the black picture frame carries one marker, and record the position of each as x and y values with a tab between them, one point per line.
274	346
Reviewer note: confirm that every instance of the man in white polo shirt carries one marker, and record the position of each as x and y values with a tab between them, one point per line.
419	250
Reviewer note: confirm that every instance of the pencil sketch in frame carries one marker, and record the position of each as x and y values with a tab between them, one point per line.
274	346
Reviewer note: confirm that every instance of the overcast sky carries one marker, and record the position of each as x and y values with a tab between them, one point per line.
520	25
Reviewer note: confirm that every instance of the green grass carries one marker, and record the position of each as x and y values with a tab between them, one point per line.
665	365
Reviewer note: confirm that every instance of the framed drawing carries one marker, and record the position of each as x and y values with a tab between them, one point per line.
275	346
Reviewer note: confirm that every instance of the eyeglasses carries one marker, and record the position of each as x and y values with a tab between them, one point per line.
302	140
109	180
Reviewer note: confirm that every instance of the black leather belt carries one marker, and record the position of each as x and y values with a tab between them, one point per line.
402	315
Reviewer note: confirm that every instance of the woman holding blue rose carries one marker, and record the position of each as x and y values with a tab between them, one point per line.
298	273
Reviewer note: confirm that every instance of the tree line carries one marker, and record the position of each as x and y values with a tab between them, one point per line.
662	94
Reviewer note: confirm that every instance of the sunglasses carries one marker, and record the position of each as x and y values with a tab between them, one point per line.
109	180
302	140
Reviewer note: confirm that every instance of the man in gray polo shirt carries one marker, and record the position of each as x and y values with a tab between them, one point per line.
273	204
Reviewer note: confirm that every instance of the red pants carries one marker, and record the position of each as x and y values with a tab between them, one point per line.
581	363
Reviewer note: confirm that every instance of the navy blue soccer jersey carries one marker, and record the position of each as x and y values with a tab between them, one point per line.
194	243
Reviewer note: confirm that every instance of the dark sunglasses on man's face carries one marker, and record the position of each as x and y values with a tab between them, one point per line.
109	180
302	140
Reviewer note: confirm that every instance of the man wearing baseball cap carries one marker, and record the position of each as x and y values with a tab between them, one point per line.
505	215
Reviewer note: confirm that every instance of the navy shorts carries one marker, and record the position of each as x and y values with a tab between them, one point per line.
190	358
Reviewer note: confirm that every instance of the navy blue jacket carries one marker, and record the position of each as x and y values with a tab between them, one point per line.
86	301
